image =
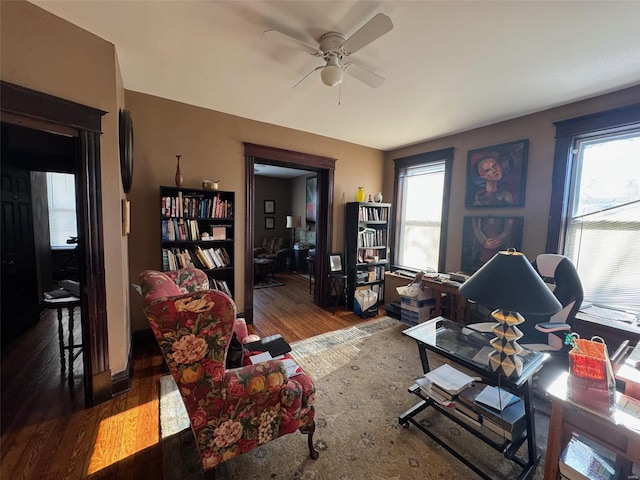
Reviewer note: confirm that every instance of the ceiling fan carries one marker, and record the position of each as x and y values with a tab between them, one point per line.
333	48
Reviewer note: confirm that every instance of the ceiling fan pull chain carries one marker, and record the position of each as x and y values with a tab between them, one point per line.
340	94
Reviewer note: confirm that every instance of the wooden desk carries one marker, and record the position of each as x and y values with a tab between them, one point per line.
457	306
619	432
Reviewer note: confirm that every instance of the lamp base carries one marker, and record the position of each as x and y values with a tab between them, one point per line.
505	359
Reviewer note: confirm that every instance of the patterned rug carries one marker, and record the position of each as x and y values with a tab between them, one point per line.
361	375
267	282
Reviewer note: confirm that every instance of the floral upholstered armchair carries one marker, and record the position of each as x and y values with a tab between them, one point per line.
231	411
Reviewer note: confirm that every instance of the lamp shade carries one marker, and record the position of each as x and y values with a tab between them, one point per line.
509	282
294	221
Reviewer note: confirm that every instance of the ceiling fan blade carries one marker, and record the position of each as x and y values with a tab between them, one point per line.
307	75
373	29
283	39
364	75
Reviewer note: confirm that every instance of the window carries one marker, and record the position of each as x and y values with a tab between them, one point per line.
598	225
422	186
61	195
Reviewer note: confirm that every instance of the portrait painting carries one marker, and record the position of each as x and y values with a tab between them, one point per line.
312	198
484	236
496	175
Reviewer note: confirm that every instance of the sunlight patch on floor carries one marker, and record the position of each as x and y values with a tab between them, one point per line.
117	437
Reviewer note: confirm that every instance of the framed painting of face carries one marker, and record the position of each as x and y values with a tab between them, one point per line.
496	175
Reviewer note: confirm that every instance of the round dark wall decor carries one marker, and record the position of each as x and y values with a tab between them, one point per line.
126	149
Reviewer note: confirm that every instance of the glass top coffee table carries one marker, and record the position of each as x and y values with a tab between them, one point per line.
469	348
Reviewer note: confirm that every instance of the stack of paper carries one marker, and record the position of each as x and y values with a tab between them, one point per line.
449	379
496	398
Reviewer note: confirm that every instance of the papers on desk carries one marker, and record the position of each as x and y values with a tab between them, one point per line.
290	364
449	379
496	398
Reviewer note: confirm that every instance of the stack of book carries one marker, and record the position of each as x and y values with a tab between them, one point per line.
444	384
582	460
494	408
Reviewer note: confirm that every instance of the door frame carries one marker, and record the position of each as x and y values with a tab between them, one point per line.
325	170
39	111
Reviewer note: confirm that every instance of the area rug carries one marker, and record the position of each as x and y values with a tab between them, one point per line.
267	282
361	375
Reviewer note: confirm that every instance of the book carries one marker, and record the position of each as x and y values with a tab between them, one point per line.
468	411
449	378
496	397
510	418
274	344
503	432
579	461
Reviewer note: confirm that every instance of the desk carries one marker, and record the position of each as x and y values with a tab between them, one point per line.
460	345
457	305
619	432
59	304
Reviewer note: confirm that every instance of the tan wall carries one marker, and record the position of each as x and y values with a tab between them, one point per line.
45	53
540	131
211	145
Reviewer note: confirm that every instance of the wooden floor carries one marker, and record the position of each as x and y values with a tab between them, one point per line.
47	433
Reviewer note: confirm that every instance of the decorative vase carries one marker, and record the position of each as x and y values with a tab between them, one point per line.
179	177
378	197
360	195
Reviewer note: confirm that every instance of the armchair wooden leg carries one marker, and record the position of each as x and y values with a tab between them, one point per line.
309	430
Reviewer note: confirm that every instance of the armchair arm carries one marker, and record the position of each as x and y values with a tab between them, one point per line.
261	380
258	251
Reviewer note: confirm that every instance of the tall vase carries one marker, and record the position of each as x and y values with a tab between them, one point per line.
179	177
360	195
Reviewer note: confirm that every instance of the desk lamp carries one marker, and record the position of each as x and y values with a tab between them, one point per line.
509	284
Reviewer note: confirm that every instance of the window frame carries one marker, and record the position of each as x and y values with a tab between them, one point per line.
569	131
400	164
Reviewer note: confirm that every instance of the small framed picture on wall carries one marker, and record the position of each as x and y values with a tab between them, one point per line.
269	223
269	206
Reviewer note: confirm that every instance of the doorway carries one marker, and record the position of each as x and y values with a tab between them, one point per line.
22	107
324	168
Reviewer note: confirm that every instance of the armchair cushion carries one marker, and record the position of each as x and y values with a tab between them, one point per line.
231	411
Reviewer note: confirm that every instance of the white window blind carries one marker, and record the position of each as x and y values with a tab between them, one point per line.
61	195
421	215
603	233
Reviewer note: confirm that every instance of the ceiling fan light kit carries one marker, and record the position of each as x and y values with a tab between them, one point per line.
333	73
333	48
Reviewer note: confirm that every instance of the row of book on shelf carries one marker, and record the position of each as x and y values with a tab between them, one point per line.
178	229
373	214
371	274
475	403
196	206
196	257
372	237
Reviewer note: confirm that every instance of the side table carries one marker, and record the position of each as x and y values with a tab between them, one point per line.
59	304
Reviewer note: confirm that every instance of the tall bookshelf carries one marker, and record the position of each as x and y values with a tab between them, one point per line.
367	249
198	231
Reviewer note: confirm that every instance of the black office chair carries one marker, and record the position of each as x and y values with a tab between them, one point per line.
337	281
546	333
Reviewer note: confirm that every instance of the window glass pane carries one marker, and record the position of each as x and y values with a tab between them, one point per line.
421	216
61	194
603	233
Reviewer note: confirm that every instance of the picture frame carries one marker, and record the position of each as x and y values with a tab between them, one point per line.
496	175
269	206
484	236
335	262
269	223
311	199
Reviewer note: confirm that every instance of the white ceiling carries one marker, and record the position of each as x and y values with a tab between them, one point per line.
450	66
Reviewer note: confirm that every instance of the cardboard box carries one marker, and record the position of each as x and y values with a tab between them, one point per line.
414	311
